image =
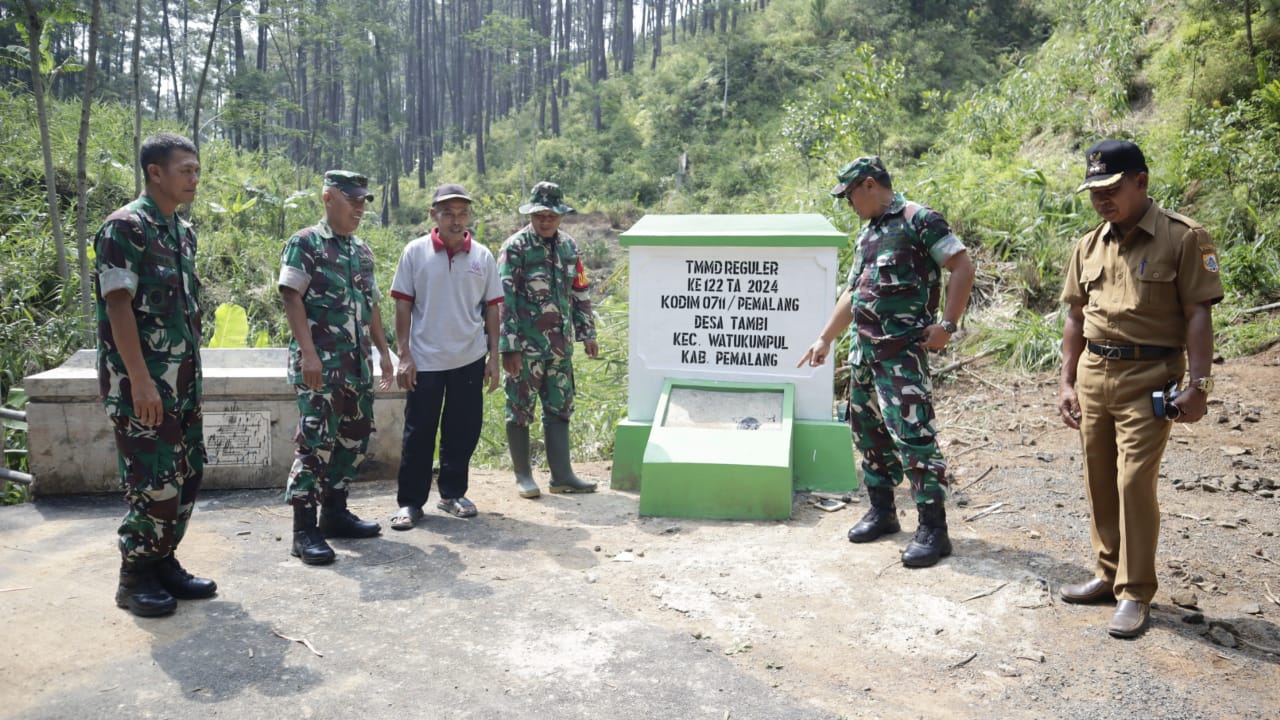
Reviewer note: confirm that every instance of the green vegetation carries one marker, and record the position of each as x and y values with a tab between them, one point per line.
980	109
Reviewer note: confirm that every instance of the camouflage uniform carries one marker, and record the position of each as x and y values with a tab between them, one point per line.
895	284
161	468
334	276
545	306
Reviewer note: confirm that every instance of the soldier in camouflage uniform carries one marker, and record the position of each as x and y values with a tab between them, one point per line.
545	306
331	301
892	300
148	314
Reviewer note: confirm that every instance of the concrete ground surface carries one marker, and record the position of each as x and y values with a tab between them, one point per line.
491	617
573	606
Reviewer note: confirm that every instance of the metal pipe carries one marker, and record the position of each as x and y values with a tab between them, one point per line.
15	476
7	414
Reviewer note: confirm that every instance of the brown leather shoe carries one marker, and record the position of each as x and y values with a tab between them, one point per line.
1130	619
1096	590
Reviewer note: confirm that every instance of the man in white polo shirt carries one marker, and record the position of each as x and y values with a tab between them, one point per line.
447	293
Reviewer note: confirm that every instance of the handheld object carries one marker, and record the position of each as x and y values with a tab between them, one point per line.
1162	402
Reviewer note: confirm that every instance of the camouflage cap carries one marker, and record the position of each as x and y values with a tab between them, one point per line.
1106	162
546	197
351	184
450	191
870	166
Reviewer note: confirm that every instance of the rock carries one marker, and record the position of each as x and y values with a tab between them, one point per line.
1221	636
1234	450
1007	670
1251	609
1030	654
591	578
1045	457
1184	598
624	557
1193	618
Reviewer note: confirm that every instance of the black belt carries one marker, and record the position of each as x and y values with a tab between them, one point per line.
1131	352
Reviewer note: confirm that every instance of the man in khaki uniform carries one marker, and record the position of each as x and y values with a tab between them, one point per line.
1139	289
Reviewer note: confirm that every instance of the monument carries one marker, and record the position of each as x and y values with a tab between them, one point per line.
720	421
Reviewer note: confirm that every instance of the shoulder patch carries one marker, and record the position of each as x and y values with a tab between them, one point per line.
1210	260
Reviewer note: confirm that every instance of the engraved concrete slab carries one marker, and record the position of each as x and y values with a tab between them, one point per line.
250	420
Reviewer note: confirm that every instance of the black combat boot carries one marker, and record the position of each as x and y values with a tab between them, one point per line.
931	543
881	519
182	584
518	441
337	521
308	541
563	480
140	591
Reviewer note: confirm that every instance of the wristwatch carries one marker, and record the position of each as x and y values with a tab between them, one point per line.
1204	384
950	327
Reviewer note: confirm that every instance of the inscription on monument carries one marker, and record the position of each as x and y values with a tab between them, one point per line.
238	438
731	313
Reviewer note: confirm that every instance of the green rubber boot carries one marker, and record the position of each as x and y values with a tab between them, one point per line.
518	441
562	478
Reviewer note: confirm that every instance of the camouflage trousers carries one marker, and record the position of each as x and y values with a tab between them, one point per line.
161	469
891	413
547	378
334	425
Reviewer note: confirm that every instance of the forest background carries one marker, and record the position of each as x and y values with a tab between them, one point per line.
981	109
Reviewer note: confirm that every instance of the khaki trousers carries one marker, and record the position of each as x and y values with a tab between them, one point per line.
1123	443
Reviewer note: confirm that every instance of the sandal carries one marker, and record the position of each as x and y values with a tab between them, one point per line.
405	518
458	507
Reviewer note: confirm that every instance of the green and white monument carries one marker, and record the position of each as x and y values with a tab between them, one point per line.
720	421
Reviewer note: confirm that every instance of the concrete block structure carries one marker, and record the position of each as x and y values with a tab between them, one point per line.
250	419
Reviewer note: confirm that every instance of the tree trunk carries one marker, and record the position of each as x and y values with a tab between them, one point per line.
204	74
657	33
1248	29
82	180
173	63
137	95
259	124
628	37
237	37
35	28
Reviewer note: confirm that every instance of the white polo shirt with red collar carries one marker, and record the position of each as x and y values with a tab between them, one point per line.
449	293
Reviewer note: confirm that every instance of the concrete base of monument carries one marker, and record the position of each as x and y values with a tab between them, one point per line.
729	450
250	418
822	456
